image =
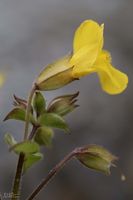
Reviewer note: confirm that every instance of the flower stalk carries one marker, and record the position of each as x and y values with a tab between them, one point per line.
17	179
51	174
93	156
18	175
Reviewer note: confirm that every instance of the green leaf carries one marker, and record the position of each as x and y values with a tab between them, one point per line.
44	136
39	103
19	114
31	159
52	120
9	139
25	147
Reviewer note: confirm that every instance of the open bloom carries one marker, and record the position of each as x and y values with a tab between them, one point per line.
89	57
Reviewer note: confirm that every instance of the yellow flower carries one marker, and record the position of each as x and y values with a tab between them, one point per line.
1	79
89	57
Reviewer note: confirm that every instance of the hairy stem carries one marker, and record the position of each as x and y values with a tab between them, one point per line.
28	112
51	174
18	175
33	132
16	184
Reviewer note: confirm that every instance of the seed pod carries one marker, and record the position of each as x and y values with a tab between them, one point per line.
97	158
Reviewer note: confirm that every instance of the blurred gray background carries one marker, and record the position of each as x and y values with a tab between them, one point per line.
32	34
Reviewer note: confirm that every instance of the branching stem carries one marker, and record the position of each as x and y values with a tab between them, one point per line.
18	175
52	173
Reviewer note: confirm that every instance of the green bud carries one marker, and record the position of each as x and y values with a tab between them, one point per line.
97	158
39	103
52	120
44	136
63	105
55	75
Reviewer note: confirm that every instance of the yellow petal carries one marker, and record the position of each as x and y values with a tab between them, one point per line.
1	79
112	80
88	33
79	71
86	56
88	42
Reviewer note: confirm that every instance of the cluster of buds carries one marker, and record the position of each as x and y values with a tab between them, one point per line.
43	118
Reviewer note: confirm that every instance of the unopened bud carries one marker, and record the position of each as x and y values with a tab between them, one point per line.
63	105
39	103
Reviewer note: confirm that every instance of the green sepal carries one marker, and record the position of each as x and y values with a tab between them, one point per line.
62	105
44	136
19	114
9	139
56	74
25	147
18	102
97	158
53	120
39	103
63	109
31	159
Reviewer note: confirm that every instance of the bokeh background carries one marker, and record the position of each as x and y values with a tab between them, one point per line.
32	34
